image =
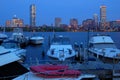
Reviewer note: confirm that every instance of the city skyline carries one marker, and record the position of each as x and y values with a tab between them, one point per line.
46	11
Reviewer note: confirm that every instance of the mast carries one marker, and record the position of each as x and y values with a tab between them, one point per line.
88	32
53	31
4	29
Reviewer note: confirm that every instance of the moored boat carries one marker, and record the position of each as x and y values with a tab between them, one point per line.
61	48
14	47
36	40
103	47
19	37
3	37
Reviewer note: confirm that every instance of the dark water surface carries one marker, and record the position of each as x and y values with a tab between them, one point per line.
35	53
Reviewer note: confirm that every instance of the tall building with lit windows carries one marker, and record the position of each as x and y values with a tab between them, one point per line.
32	15
102	16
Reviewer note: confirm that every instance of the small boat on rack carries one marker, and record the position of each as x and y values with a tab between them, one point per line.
61	48
14	47
103	47
54	71
37	40
19	37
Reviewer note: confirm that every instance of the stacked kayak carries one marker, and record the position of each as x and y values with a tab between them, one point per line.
54	71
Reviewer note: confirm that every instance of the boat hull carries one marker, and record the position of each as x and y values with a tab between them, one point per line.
36	42
66	59
105	59
63	57
60	75
54	71
2	39
23	44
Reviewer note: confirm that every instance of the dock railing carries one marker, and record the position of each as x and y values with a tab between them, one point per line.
116	73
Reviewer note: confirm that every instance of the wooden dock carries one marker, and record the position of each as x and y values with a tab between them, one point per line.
87	66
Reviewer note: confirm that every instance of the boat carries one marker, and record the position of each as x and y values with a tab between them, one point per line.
14	47
3	37
104	48
19	37
61	48
54	71
37	40
9	66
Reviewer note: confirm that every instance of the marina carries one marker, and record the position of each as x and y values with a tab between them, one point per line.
59	40
84	62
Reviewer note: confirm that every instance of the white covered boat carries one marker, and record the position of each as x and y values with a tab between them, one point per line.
103	47
19	37
61	48
14	47
37	40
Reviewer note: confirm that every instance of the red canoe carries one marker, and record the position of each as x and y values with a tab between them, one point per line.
54	71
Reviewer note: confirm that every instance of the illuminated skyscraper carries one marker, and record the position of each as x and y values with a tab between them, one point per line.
102	16
32	15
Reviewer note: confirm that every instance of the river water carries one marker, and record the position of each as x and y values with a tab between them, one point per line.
34	52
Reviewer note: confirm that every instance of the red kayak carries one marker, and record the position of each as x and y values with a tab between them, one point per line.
54	71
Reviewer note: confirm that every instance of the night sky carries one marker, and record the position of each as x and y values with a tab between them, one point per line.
47	10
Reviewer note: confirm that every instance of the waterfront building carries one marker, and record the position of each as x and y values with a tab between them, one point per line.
102	17
88	23
17	22
57	22
106	26
32	15
8	23
74	23
14	22
95	19
115	24
64	27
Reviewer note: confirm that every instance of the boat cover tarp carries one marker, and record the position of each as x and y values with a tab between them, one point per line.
11	70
